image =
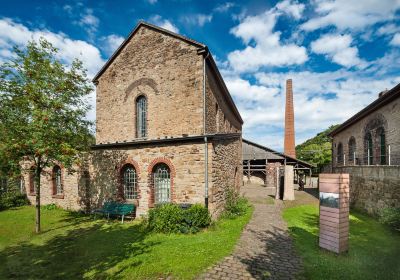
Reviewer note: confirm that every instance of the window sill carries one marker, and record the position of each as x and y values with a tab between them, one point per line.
58	196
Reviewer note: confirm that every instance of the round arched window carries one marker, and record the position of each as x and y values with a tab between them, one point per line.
129	182
162	183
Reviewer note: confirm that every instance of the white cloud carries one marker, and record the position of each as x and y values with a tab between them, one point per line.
264	46
352	14
12	33
111	43
222	8
317	97
338	48
395	40
292	8
197	19
387	29
164	23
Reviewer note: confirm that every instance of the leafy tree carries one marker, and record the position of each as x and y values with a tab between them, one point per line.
43	108
317	150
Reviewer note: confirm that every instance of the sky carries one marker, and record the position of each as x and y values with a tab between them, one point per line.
340	53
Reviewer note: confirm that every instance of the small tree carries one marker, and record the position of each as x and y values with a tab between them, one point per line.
43	106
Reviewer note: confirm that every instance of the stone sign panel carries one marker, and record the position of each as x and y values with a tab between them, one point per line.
334	212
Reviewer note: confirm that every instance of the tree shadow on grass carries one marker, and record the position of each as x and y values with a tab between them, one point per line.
85	252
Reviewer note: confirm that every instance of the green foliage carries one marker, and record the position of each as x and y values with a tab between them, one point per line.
235	204
49	207
390	216
171	218
12	199
317	150
373	248
43	111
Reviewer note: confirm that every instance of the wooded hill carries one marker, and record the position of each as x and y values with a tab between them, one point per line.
317	150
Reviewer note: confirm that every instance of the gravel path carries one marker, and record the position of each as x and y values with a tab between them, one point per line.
265	249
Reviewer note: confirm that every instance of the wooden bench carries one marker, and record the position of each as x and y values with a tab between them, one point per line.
116	209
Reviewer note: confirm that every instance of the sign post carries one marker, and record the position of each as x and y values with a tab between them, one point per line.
334	212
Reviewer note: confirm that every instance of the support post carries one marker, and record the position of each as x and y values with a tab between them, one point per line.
389	154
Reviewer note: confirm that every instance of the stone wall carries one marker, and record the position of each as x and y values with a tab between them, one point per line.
166	70
226	172
272	174
388	117
186	162
373	187
71	181
219	116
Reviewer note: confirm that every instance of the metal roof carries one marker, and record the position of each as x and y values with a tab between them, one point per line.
253	151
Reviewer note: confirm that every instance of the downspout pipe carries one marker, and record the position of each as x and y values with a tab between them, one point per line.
205	54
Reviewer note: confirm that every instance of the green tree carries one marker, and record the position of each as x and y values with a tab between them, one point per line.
317	150
43	110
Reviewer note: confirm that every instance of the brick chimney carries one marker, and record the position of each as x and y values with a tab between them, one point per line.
289	148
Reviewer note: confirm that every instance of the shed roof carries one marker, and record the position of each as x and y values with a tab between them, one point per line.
253	150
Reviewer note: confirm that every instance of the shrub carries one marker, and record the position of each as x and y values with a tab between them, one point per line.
235	205
171	218
51	206
195	218
391	217
12	199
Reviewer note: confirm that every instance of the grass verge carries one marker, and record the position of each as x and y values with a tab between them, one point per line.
76	247
374	249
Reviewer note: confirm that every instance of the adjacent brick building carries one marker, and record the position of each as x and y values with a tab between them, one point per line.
167	129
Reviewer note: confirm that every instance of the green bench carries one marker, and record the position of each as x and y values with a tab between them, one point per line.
113	208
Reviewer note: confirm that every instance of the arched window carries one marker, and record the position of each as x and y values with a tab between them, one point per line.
162	183
340	153
141	117
129	182
352	149
57	181
382	145
369	154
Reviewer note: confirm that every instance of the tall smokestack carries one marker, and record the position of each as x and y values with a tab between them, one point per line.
289	121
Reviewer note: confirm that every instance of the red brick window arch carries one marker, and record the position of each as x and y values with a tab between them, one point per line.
58	187
161	177
129	181
162	183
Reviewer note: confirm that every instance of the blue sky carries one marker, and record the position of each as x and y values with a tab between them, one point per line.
339	53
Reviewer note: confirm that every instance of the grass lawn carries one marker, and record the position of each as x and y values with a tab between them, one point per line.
374	250
76	247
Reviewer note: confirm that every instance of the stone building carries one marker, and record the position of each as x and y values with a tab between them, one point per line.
367	146
372	136
167	129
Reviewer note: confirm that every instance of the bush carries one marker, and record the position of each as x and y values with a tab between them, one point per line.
235	205
391	217
12	199
171	218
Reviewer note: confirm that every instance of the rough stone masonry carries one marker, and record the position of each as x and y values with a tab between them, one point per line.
192	129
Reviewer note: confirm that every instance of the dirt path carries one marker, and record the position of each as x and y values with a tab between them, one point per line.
265	249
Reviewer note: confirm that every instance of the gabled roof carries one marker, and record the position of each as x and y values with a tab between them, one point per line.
384	99
133	32
203	49
276	153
